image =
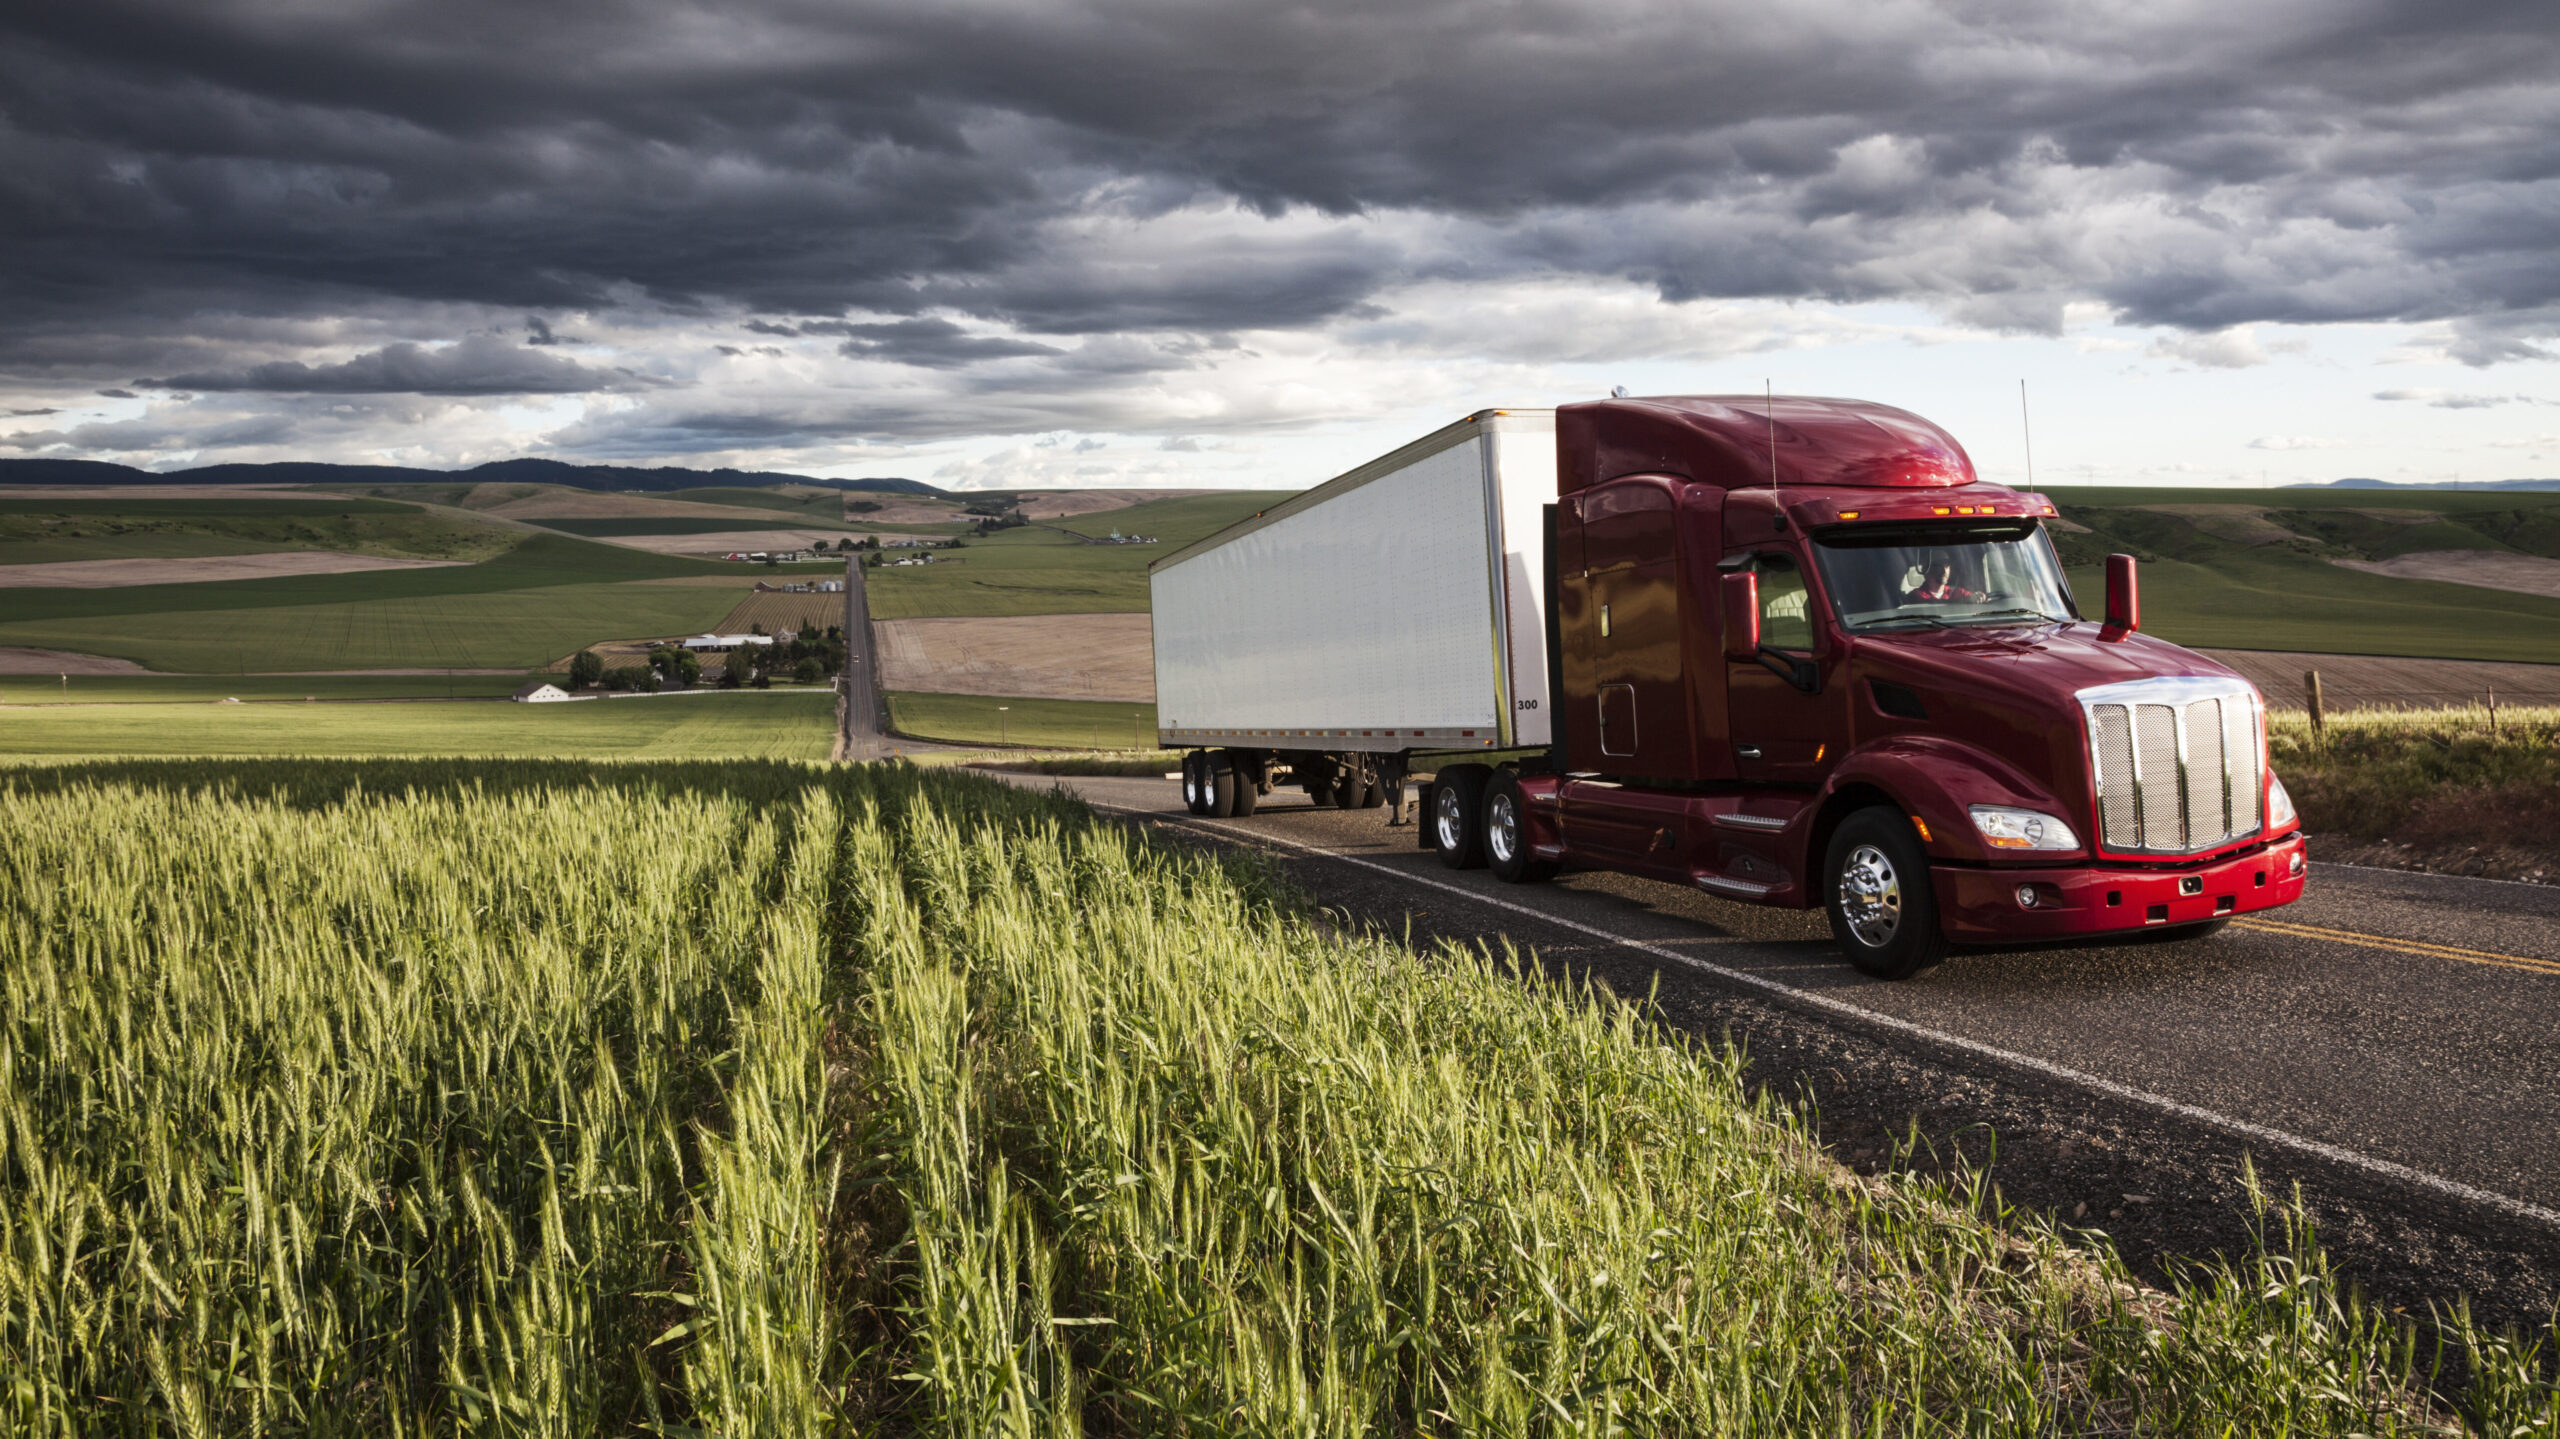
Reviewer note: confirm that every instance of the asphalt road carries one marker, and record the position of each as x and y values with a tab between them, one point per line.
2387	1045
862	712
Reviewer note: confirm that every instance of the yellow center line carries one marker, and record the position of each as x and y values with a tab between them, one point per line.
2403	946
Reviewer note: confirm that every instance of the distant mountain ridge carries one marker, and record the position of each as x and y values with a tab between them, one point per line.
520	472
2365	484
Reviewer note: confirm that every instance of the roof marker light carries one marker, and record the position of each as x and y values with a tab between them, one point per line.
1940	510
1848	514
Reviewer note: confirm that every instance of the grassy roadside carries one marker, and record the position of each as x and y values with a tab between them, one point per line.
900	1102
1140	763
2452	789
1011	720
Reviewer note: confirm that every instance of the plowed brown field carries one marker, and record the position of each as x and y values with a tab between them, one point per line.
1106	657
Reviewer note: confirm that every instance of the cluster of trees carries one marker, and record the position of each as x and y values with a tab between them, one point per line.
808	656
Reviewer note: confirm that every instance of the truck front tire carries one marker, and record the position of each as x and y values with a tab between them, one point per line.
1506	834
1457	815
1876	888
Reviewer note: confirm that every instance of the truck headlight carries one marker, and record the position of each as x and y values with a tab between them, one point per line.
2279	804
2004	828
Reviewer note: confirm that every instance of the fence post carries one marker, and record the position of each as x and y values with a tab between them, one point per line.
2493	716
2319	711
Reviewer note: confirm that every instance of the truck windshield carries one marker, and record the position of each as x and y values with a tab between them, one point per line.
1942	577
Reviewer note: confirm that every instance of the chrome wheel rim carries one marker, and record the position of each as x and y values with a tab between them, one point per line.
1870	896
1451	829
1502	828
1191	784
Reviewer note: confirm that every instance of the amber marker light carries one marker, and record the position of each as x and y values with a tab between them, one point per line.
1921	825
1848	514
1940	510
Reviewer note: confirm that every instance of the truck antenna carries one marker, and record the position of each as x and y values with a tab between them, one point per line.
2028	431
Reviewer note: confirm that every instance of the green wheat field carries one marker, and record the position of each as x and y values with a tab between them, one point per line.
768	1098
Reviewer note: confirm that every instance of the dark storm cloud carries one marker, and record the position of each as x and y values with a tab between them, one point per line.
931	344
166	165
478	365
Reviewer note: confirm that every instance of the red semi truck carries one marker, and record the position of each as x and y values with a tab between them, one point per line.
1789	652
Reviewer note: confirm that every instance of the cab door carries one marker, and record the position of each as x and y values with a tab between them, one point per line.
1786	712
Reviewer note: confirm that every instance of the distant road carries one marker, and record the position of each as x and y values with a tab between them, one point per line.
2386	1044
863	725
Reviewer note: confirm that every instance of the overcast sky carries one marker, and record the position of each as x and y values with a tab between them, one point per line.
1173	243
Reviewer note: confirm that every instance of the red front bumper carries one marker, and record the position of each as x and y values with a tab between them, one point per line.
1982	904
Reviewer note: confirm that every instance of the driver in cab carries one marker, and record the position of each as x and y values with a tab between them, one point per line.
1938	583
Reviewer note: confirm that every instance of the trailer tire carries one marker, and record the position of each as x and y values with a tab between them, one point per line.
1457	815
1248	789
1373	795
1320	794
1877	890
1195	781
1219	782
1506	834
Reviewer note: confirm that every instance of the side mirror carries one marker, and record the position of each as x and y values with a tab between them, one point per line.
1740	594
2124	600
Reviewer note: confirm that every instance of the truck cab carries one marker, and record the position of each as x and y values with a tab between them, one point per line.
1787	651
1805	656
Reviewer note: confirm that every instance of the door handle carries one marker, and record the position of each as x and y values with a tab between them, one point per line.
1748	751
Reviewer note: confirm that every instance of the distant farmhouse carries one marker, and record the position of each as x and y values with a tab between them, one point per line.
539	693
722	644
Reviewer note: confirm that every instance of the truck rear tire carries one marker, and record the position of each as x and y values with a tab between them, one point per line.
1457	815
1506	834
1373	795
1219	783
1876	888
1248	788
1195	781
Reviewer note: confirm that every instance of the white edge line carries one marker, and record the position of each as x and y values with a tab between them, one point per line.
2452	1188
2431	874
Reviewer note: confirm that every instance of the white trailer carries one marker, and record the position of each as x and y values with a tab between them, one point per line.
1399	608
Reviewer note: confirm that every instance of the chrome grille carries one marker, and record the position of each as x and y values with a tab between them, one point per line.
2175	763
2111	745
